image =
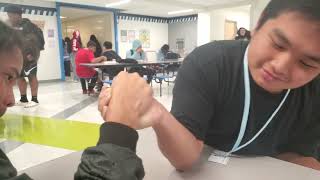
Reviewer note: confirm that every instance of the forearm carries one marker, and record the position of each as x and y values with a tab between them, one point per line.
300	160
98	59
176	142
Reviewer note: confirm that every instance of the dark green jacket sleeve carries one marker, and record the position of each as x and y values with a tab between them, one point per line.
114	157
7	171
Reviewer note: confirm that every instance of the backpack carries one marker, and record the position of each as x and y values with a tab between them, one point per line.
172	55
127	60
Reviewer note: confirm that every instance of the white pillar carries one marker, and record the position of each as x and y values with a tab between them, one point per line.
257	6
204	28
218	18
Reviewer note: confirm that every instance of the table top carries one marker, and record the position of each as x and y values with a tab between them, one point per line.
62	168
244	168
113	63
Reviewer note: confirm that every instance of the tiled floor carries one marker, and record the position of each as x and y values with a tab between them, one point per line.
28	155
63	101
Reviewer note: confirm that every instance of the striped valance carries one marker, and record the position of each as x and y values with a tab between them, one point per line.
33	10
183	19
133	17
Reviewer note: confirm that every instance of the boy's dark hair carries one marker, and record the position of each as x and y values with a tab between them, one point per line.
107	45
12	8
309	8
165	47
9	39
91	44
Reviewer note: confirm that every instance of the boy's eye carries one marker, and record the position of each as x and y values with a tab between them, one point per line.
307	65
278	46
10	78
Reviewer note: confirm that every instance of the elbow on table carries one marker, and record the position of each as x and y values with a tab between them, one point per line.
183	167
187	163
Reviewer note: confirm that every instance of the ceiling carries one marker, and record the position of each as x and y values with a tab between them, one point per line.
161	8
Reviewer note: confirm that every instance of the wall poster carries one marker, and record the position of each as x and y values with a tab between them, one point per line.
144	37
123	34
131	35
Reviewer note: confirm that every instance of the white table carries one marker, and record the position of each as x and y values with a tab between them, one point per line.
249	168
140	63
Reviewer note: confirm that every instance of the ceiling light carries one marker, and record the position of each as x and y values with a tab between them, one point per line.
118	3
62	17
181	11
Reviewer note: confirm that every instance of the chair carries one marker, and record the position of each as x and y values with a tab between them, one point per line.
107	81
164	77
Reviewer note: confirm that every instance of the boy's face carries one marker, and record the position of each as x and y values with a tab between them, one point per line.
10	67
285	52
93	49
242	32
14	18
139	49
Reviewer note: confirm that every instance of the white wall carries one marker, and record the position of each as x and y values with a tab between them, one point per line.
158	35
218	17
204	28
257	7
49	62
186	31
217	23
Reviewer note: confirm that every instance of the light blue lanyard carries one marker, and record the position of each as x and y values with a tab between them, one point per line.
245	115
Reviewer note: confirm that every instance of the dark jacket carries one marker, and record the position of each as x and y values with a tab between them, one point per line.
110	55
112	71
29	28
114	157
33	41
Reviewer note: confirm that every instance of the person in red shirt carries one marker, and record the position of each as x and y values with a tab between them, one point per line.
87	74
